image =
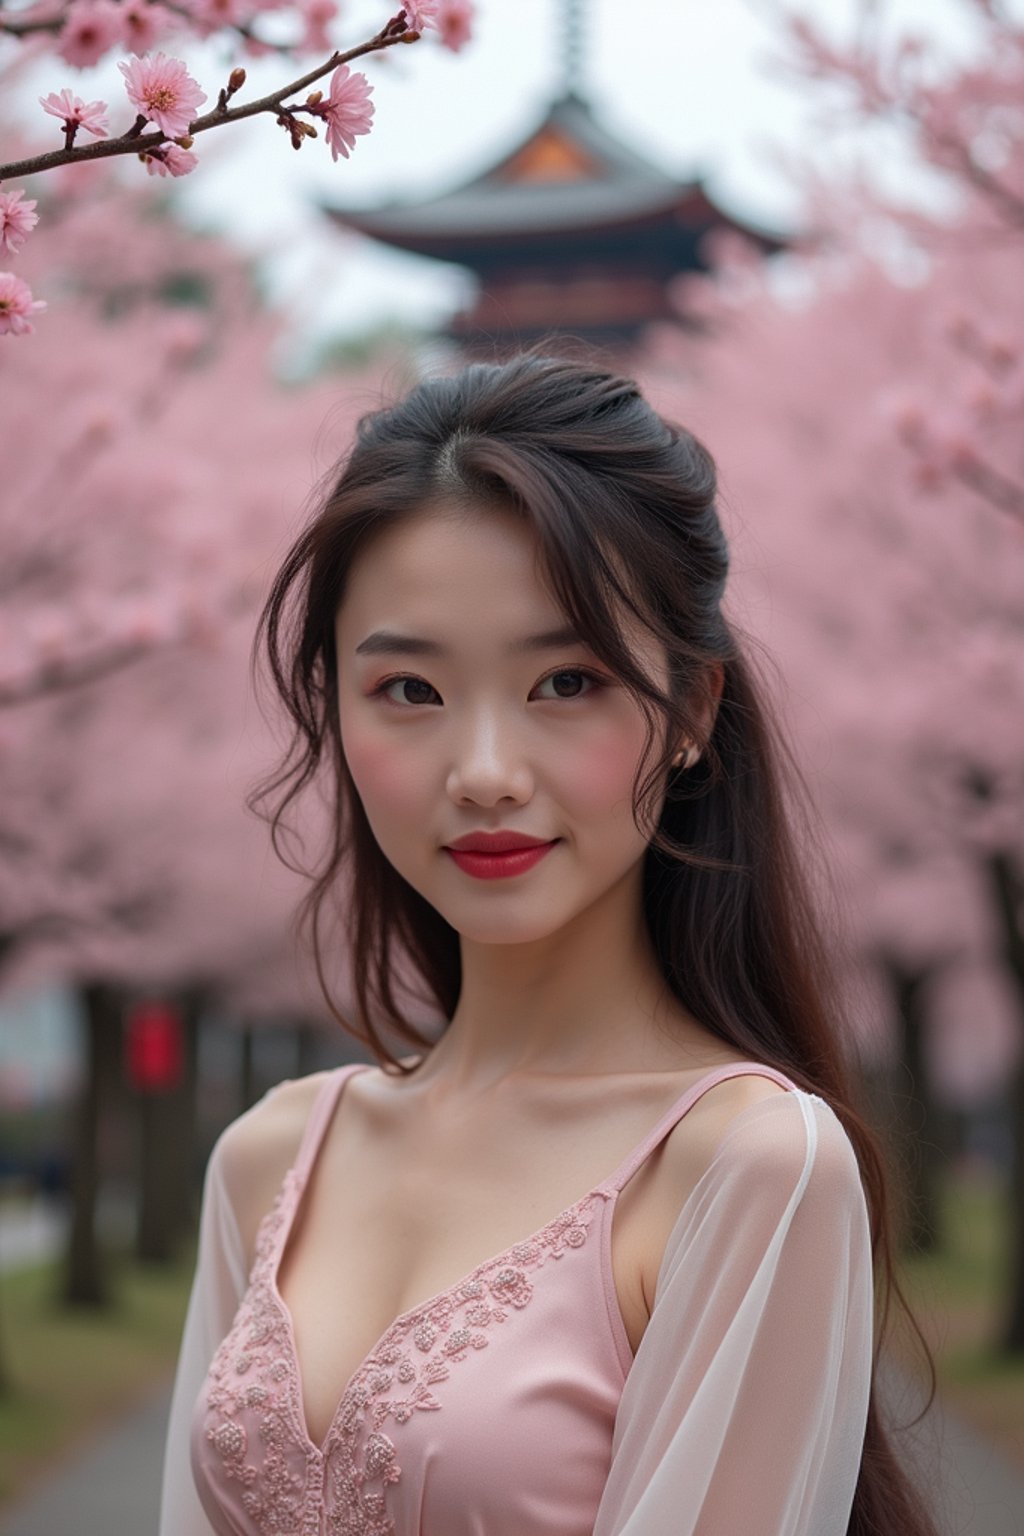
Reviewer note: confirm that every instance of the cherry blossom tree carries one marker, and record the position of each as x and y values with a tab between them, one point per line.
161	113
120	506
964	125
142	522
865	415
960	421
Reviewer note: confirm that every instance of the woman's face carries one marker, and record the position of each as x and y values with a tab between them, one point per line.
456	718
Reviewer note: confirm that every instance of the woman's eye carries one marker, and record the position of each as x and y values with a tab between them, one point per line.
566	683
414	690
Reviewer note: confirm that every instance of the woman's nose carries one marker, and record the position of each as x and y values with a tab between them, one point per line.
488	764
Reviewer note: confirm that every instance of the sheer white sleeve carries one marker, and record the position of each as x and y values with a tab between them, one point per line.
746	1405
218	1287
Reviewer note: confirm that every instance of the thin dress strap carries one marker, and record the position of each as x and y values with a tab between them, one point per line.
626	1170
320	1117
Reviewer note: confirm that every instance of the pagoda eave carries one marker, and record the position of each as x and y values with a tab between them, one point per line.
679	223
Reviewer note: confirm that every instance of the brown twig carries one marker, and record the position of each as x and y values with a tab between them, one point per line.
996	488
104	149
29	26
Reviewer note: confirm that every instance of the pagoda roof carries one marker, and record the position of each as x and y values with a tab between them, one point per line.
570	174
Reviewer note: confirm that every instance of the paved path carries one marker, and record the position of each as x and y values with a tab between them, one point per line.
109	1488
977	1490
113	1486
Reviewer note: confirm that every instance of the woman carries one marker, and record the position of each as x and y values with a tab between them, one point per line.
597	1259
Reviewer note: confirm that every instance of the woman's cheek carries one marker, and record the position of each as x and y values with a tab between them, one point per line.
383	770
598	770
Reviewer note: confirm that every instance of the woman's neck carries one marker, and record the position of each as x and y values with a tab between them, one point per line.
589	1000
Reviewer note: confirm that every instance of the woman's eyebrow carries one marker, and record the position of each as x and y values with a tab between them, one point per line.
385	642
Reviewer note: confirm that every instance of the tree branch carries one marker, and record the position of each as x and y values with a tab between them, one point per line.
105	149
996	488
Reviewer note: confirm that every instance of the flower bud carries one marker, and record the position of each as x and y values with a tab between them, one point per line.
313	98
236	79
186	142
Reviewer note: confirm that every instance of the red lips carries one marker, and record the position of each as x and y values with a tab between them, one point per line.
498	855
496	842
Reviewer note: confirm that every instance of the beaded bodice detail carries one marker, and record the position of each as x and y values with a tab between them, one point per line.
251	1407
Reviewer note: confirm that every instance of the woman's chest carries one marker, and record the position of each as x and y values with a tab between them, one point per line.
389	1223
490	1407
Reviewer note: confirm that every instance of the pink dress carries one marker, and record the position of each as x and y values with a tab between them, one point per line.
511	1404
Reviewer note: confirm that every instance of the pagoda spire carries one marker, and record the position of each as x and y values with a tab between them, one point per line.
572	47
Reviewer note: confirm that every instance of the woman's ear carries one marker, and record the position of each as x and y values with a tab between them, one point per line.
706	715
709	708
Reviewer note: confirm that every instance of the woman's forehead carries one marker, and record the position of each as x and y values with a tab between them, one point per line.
451	564
464	574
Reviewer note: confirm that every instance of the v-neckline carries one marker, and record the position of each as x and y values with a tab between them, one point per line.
402	1319
606	1188
281	1244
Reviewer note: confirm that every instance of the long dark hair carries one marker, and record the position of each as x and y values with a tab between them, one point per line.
623	507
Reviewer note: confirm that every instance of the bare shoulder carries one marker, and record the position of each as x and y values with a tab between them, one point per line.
776	1143
255	1151
272	1128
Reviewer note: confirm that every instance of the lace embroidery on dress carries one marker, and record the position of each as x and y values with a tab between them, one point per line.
254	1380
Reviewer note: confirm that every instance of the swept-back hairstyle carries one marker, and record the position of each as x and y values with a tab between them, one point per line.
623	508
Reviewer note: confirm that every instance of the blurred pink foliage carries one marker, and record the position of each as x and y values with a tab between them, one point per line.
868	435
154	472
966	124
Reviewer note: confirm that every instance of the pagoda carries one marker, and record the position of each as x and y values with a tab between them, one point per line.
571	231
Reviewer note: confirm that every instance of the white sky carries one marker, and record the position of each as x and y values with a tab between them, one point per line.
688	82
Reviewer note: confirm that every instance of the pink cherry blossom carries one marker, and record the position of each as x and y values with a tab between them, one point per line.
183	334
348	110
420	14
455	23
16	304
16	220
316	14
142	25
955	446
209	16
171	160
90	115
91	30
164	91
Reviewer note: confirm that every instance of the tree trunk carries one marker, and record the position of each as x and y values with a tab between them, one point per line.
1006	883
305	1049
193	1002
85	1279
160	1152
167	1140
247	1065
916	1126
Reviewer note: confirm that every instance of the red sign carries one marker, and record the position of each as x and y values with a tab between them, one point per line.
154	1056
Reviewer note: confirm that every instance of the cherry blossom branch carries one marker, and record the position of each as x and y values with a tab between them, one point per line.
20	26
956	456
51	675
996	488
136	142
861	71
1004	197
